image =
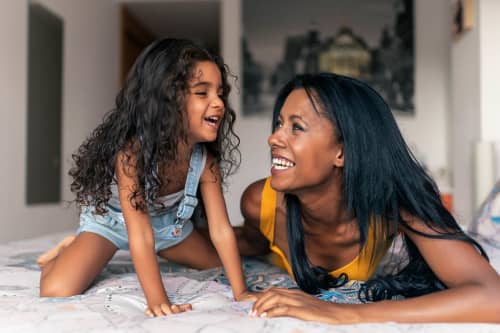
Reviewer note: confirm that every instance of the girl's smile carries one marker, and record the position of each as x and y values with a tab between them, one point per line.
204	104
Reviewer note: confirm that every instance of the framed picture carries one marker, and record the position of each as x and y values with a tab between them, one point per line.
369	40
463	15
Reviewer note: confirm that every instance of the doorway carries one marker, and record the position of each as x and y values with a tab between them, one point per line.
142	23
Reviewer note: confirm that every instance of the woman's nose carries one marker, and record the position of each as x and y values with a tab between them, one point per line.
276	138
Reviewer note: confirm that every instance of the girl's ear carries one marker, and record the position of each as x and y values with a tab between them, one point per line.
338	159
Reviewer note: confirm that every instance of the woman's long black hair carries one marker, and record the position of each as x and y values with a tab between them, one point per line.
148	123
381	177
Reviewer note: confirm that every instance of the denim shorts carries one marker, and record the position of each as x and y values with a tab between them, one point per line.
112	227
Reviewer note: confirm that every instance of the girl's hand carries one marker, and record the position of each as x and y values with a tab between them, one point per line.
248	296
166	309
279	302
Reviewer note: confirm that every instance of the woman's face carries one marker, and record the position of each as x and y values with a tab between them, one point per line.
204	106
304	150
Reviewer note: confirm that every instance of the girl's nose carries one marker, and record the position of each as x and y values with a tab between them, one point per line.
217	102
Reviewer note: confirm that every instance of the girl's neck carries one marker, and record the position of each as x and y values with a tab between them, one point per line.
184	150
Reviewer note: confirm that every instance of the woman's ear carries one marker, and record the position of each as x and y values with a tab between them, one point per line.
338	159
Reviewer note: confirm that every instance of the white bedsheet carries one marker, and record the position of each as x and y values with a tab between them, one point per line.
115	303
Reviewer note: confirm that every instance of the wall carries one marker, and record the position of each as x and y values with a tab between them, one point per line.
489	28
465	97
89	82
427	131
475	106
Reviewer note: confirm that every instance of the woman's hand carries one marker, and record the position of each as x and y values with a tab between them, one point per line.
166	309
279	302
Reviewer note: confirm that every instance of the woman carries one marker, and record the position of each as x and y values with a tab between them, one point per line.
343	184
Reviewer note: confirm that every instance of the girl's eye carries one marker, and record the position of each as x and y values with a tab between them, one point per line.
278	124
297	127
200	93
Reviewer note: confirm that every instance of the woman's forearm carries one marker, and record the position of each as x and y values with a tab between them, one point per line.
469	303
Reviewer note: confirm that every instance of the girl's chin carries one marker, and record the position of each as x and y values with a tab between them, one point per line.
204	138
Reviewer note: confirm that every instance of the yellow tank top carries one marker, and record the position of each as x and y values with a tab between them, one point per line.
360	268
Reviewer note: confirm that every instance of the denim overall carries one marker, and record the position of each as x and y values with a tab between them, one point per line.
171	225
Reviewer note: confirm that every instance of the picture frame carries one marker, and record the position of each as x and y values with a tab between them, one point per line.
371	41
463	16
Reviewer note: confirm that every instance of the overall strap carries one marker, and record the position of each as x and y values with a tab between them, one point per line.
190	201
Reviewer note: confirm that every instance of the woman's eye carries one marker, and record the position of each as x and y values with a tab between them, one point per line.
278	124
296	127
200	93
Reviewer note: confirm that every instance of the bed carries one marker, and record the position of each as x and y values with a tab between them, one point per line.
115	302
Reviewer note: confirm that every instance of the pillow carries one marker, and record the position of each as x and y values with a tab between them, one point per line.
486	224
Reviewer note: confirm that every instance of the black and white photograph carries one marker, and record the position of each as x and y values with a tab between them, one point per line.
369	40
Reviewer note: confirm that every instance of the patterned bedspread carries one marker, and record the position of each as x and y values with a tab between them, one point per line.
115	302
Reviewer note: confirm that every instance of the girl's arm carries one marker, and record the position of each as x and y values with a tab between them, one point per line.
473	293
220	230
141	242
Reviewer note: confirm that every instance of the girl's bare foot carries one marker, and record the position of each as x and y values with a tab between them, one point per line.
54	252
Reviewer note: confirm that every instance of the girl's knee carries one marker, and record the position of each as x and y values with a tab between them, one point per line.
57	288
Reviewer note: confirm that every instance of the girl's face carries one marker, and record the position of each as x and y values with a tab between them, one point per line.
304	150
204	106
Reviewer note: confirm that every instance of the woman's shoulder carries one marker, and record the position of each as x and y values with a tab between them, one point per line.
251	199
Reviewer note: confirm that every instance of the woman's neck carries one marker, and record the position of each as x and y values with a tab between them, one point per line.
323	207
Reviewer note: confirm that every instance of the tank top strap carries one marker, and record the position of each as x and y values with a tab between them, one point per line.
268	211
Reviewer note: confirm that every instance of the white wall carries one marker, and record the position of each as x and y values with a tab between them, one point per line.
427	130
475	105
253	131
489	52
90	81
465	106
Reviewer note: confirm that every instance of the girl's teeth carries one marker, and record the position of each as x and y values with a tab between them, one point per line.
212	119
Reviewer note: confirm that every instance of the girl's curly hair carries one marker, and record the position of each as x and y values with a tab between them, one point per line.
148	123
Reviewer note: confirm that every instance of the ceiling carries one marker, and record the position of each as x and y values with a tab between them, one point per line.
196	20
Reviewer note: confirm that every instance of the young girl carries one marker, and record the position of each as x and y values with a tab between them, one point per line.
136	177
343	184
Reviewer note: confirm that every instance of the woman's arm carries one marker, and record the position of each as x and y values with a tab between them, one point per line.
473	293
251	242
141	242
220	230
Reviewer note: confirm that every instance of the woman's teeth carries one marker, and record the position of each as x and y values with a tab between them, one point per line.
281	163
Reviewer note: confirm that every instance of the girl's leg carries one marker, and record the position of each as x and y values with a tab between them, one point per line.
54	252
76	266
195	251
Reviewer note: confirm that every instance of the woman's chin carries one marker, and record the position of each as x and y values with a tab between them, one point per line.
279	185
